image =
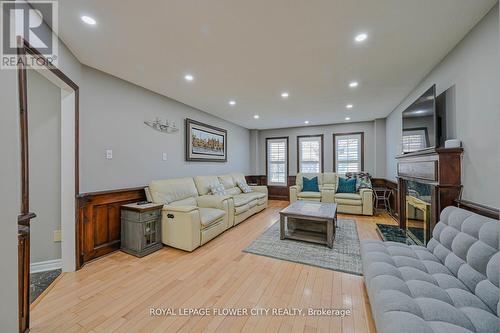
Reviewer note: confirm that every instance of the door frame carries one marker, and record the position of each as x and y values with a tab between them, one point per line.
25	50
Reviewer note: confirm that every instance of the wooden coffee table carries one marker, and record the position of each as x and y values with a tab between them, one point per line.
309	221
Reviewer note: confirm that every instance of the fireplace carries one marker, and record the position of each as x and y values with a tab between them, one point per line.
418	212
428	181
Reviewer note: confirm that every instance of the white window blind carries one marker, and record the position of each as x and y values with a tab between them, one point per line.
310	154
413	140
277	161
348	153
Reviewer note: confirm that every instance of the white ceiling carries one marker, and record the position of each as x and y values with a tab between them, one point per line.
252	50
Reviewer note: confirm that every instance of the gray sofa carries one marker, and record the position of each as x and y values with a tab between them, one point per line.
450	286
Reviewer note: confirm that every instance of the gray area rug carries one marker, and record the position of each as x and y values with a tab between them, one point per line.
344	257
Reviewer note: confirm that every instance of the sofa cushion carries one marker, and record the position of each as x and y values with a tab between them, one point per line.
330	179
210	215
351	199
300	175
308	194
245	198
227	181
170	190
185	202
203	183
239	178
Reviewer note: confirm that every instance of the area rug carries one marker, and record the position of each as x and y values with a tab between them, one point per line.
343	257
391	233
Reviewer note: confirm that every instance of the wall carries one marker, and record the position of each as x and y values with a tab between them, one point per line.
371	147
44	105
112	116
472	68
10	194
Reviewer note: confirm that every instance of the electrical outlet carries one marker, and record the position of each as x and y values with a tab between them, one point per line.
57	235
164	156
109	154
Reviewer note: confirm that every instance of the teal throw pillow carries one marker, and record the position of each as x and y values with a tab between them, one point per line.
310	185
346	185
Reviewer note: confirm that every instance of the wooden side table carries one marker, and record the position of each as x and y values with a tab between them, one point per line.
141	228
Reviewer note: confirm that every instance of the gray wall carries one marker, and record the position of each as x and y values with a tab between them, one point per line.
371	147
44	105
10	194
112	116
473	68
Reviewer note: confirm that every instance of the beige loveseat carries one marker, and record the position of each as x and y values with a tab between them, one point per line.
350	203
191	216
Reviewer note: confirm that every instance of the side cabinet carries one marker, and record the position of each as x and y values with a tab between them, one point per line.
98	229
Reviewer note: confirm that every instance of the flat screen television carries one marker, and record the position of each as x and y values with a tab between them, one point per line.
423	122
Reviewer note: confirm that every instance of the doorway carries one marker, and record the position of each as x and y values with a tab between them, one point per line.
50	183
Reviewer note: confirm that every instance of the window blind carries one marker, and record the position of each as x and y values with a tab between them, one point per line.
348	153
277	162
310	154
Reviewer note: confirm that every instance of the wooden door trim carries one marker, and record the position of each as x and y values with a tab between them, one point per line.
24	218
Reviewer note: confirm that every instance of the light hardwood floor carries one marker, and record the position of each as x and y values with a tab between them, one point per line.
115	293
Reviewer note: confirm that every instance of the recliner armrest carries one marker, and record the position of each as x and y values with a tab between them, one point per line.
179	209
212	201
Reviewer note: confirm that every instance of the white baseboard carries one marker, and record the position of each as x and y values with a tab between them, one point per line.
44	266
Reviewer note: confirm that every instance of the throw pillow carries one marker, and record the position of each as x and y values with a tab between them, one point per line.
217	189
363	179
310	185
346	185
244	187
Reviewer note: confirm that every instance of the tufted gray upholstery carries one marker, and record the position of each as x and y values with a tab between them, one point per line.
451	286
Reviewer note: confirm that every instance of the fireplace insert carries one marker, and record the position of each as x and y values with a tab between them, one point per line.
418	212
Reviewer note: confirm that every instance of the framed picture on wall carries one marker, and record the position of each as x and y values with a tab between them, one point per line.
205	143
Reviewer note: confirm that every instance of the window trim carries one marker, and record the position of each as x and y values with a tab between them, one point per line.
287	160
362	148
322	162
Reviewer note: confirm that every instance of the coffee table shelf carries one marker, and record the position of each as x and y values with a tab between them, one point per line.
309	221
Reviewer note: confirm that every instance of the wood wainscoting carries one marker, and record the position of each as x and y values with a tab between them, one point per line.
274	192
99	221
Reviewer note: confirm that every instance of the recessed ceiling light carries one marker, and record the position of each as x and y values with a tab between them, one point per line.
347	118
306	122
232	102
353	84
89	20
284	94
256	116
349	106
361	37
189	77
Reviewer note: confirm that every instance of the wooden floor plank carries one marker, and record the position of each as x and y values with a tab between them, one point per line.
116	292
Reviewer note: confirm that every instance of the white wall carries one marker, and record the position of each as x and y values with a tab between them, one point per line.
112	116
371	147
473	68
44	132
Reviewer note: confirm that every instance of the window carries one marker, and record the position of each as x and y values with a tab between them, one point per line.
310	153
348	152
277	161
414	139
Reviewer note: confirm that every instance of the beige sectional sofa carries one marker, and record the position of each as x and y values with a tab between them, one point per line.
192	216
350	203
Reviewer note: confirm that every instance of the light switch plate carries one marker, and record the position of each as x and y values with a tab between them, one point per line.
109	154
57	235
164	156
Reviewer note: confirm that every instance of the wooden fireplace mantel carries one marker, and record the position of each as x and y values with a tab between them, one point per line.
440	168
